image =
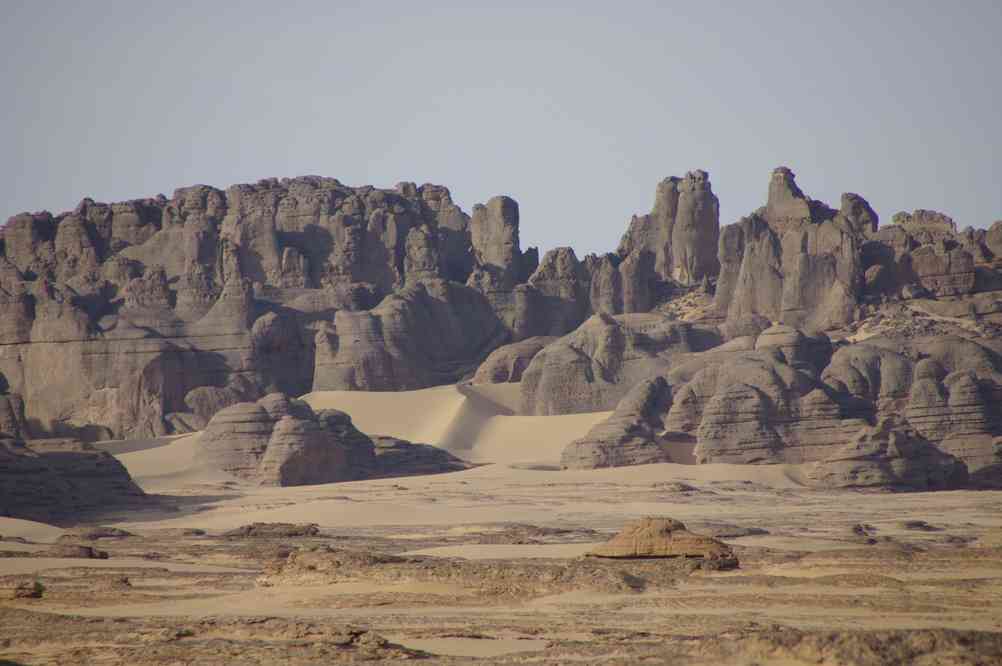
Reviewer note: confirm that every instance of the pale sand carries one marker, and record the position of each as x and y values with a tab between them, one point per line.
475	422
446	508
490	493
162	467
33	565
508	551
29	529
120	446
471	647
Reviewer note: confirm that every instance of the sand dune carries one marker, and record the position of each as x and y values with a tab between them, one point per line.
119	446
29	529
161	467
476	422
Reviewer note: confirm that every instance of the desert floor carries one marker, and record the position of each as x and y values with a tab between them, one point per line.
824	577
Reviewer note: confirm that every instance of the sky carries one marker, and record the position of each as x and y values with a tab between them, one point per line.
576	110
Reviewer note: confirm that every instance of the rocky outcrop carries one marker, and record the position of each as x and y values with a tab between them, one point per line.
680	233
506	364
430	333
794	261
61	480
593	368
156	314
281	442
631	436
561	289
163	311
922	254
397	457
662	537
889	455
784	396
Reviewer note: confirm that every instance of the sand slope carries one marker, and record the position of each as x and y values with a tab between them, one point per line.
160	467
29	529
475	422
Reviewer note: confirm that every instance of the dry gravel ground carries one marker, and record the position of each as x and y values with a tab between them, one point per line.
487	566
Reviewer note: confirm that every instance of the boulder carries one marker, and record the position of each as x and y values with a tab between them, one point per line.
397	457
55	480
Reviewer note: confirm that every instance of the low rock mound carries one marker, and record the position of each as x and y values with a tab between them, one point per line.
480	580
95	533
662	537
274	530
398	457
74	551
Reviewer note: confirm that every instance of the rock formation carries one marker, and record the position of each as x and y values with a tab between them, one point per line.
889	455
786	397
58	480
795	260
680	233
631	436
506	364
152	316
167	310
429	333
281	442
592	368
661	537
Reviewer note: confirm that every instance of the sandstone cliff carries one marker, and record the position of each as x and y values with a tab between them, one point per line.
766	340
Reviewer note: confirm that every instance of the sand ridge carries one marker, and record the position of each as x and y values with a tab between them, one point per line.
475	422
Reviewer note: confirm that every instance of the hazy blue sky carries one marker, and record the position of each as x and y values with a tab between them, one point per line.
575	109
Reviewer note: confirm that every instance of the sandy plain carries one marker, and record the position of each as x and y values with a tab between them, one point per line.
824	577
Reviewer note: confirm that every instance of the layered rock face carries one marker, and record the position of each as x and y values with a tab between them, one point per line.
787	397
281	442
795	260
146	317
165	310
680	233
430	333
591	369
60	480
152	316
506	364
889	455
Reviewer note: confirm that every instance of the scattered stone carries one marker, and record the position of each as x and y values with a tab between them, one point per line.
274	530
95	533
33	590
74	551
